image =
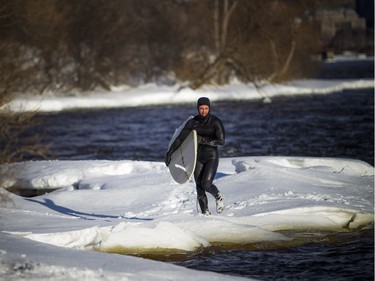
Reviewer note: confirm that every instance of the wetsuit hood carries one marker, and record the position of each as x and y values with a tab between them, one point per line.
203	101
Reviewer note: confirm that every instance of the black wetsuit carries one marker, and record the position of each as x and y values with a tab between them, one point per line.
211	134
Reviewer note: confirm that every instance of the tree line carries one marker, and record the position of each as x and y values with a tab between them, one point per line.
67	46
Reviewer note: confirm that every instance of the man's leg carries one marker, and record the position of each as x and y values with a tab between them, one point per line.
201	194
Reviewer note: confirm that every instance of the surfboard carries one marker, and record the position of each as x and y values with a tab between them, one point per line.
184	158
178	131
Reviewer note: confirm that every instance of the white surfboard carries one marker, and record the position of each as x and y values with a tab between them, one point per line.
184	158
178	131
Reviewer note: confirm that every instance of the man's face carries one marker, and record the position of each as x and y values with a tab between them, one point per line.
203	110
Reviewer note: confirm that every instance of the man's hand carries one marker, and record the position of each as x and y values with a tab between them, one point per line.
206	141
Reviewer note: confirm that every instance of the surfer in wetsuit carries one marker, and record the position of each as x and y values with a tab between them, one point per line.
211	134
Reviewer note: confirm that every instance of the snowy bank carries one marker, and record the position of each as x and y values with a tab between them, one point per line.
135	207
152	95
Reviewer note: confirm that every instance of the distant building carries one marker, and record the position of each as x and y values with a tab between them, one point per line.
342	28
332	21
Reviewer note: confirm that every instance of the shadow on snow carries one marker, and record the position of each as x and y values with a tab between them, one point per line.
82	215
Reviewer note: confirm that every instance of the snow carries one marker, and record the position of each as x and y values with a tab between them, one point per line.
153	95
135	207
97	208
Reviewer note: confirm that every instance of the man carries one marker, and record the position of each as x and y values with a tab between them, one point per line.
211	134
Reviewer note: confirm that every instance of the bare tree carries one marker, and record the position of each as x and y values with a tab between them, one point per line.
80	45
14	145
13	125
222	13
255	40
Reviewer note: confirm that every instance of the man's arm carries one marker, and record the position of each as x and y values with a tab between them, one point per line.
177	142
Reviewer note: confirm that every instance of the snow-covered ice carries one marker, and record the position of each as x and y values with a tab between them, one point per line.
136	207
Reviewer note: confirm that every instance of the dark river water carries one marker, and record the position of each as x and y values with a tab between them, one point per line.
335	125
